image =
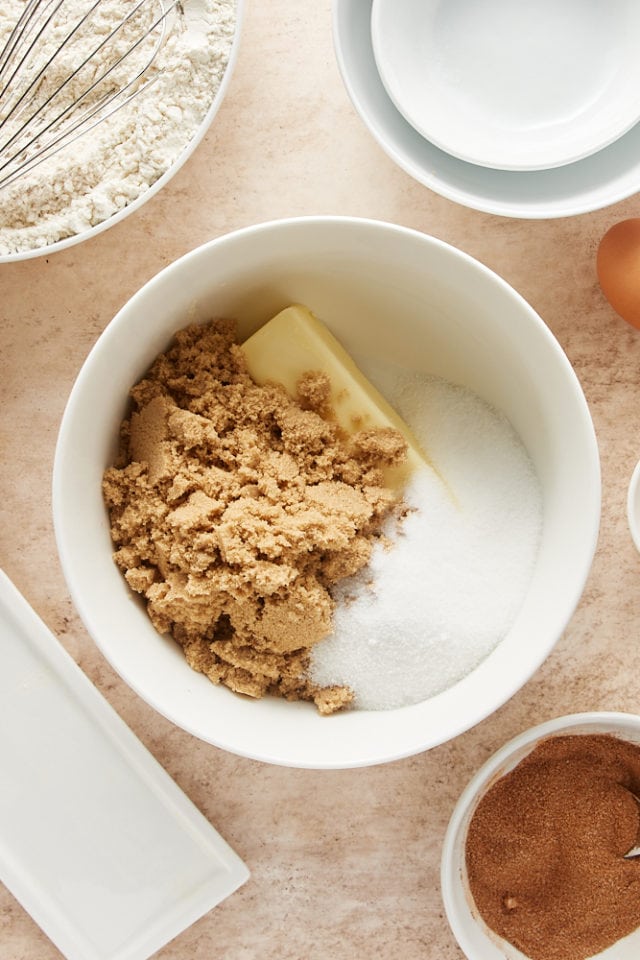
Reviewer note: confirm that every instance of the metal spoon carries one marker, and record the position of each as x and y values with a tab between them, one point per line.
635	850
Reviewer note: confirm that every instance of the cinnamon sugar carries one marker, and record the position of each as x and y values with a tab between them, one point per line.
546	848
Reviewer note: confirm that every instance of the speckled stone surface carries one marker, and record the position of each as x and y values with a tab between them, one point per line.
344	864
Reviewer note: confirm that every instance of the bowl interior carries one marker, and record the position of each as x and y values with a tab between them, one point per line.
469	78
604	178
476	940
384	291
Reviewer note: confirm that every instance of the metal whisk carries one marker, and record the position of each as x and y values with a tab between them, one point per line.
61	73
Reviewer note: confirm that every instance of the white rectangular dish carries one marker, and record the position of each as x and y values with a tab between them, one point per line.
97	842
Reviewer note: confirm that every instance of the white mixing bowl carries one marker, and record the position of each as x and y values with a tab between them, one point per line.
385	291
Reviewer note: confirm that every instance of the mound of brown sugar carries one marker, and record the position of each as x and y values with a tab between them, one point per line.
235	509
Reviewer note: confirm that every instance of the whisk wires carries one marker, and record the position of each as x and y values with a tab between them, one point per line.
57	83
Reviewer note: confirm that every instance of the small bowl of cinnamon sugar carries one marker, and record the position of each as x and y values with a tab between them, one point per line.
540	859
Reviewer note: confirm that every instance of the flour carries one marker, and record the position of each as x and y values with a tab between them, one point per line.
111	166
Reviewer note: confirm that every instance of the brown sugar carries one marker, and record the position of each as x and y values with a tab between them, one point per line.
546	847
234	510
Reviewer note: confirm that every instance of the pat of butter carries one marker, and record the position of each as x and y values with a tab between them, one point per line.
295	342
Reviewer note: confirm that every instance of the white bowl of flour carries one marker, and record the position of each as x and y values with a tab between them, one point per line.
108	173
485	584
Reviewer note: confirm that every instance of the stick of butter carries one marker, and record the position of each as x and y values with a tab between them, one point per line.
295	342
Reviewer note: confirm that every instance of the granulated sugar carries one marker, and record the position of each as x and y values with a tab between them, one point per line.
110	167
442	597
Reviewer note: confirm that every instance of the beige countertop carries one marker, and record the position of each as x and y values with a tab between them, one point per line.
344	863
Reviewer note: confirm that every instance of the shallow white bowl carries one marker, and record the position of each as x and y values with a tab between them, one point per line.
155	187
472	934
604	178
514	86
385	291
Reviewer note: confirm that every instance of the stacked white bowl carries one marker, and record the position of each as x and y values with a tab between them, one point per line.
514	109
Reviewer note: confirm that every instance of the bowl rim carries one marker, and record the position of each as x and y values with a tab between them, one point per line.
186	153
633	506
423	736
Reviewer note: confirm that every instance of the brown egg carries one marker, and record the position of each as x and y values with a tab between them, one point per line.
618	267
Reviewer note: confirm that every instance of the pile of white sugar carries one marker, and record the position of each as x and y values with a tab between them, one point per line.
435	604
111	166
